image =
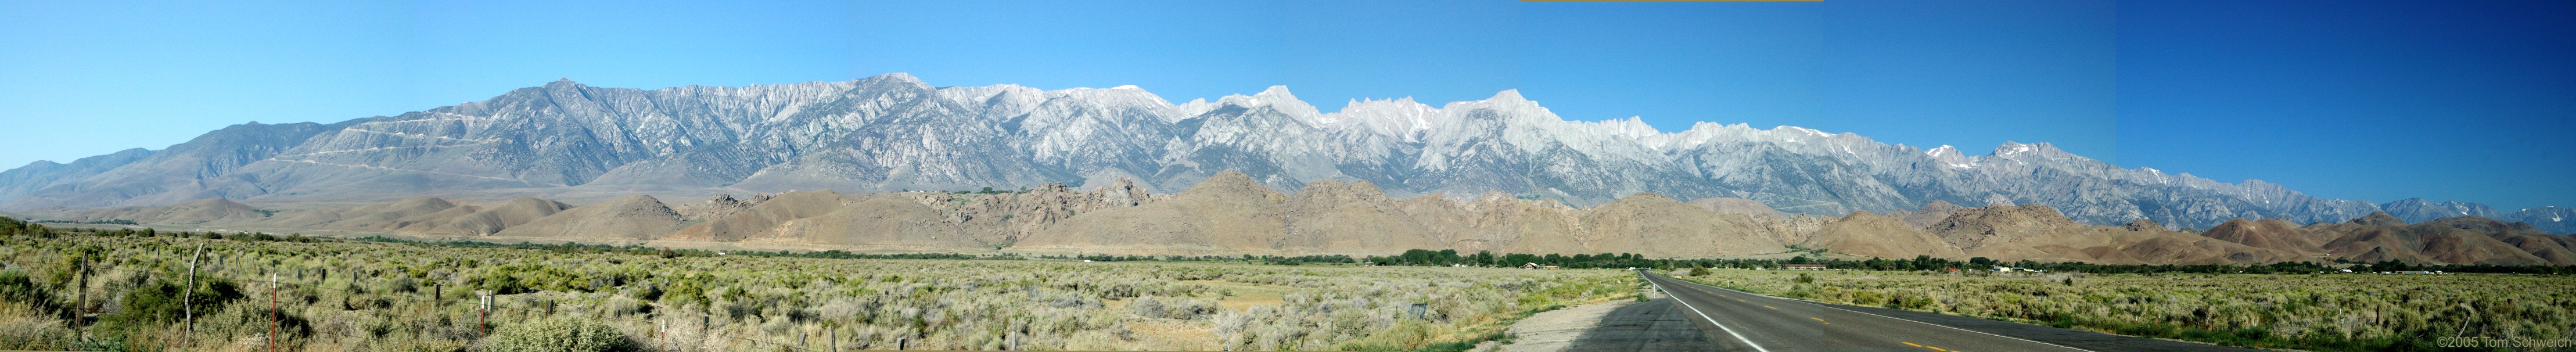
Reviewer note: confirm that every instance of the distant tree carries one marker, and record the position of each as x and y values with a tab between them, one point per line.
2391	265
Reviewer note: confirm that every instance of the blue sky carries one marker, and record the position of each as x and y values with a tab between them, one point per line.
2367	100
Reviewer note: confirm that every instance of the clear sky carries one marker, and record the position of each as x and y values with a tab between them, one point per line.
2442	100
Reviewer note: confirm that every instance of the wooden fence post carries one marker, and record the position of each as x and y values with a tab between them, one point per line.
80	306
187	298
272	312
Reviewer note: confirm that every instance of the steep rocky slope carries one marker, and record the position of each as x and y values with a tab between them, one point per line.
891	133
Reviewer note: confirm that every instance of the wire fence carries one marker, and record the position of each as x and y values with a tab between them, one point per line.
481	328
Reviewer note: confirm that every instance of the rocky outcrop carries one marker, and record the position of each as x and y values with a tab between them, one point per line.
883	222
1933	212
638	217
718	206
2273	234
1653	225
1352	217
1866	234
1227	213
762	222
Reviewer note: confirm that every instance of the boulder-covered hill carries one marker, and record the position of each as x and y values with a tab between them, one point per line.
573	142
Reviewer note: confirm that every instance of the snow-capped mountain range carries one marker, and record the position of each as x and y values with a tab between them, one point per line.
895	132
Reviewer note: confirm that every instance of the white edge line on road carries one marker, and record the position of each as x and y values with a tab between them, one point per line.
1711	321
1883	316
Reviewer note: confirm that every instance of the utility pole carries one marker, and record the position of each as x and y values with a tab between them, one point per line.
188	297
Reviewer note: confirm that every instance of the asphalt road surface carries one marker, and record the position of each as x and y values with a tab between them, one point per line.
1737	321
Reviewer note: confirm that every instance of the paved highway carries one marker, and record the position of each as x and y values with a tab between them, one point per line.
1737	321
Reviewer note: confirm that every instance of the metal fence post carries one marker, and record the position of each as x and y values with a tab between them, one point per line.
483	315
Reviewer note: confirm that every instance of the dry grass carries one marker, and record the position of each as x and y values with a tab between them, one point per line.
1241	297
352	296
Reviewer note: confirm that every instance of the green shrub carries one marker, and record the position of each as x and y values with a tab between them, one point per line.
159	303
558	335
15	286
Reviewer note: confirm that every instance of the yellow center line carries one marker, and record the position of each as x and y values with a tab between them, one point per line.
1936	348
1739	300
1771	307
1817	319
1911	344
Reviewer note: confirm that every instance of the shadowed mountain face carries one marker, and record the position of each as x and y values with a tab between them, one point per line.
893	132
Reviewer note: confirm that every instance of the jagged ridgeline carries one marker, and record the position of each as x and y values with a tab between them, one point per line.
583	144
